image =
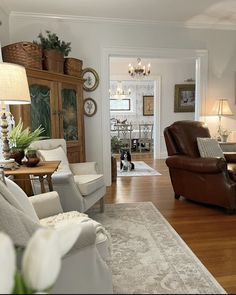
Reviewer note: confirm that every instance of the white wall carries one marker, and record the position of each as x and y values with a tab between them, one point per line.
89	37
4	28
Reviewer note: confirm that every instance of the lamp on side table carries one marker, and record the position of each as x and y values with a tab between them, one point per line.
221	108
14	89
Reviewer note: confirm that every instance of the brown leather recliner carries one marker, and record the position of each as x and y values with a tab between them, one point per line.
206	180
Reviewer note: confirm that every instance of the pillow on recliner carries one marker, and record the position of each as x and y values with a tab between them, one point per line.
57	154
209	148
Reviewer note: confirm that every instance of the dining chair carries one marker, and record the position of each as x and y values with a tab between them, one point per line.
124	133
146	137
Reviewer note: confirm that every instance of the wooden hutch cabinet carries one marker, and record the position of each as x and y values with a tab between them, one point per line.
56	105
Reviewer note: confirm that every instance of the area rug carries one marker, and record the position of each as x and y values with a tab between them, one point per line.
141	169
148	256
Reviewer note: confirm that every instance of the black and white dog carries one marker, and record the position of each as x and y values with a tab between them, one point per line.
125	160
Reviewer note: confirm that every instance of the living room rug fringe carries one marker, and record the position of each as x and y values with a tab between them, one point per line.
148	255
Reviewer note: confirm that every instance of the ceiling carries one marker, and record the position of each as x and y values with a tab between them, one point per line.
198	12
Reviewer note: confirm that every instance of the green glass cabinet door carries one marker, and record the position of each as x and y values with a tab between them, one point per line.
40	108
69	114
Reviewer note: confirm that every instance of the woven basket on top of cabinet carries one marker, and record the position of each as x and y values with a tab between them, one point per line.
73	66
27	54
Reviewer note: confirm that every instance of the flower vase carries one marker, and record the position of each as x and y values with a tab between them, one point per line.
224	138
31	159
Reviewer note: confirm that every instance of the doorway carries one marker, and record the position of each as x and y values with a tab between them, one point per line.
134	108
201	61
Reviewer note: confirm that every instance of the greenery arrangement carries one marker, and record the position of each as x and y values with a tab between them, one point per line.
115	144
20	138
52	41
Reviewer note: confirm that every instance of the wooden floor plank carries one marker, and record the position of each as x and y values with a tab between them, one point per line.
207	230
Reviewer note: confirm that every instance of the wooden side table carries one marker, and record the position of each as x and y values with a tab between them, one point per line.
44	168
228	146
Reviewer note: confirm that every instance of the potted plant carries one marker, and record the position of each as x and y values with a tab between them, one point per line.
54	51
115	144
20	139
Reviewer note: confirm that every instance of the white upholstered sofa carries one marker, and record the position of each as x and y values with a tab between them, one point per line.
84	269
79	185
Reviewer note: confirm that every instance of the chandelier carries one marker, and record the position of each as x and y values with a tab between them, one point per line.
120	93
139	71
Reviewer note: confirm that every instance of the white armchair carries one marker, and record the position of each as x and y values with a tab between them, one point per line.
84	269
79	185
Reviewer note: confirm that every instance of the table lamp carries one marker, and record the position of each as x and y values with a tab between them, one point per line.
14	89
221	108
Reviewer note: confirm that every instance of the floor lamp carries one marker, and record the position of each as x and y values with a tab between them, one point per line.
221	108
14	89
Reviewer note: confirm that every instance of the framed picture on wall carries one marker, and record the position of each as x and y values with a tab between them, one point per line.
148	105
184	98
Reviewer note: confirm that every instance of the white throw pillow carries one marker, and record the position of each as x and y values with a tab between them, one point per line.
209	148
57	154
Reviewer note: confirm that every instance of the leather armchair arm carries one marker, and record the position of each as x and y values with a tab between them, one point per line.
199	165
230	157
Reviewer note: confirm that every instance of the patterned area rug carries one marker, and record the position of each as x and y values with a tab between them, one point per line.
141	169
148	256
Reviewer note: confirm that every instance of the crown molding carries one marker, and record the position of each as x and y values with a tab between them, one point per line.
73	18
5	8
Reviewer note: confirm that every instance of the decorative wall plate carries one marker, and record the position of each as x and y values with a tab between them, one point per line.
90	107
91	79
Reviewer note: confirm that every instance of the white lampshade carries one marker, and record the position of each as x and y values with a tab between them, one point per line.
221	108
14	87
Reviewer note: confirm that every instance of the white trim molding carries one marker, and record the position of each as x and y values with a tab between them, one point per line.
76	18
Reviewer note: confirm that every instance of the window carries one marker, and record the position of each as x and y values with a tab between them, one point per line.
120	104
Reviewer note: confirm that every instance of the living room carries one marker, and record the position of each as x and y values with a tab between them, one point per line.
201	31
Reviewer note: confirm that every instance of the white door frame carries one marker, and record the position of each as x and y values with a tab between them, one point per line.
201	57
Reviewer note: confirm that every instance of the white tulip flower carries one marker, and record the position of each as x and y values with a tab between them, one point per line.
7	264
68	235
42	260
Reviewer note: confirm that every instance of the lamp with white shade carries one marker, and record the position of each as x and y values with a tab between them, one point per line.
14	89
221	108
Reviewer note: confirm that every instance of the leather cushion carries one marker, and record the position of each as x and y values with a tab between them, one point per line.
230	157
89	183
185	135
232	171
209	148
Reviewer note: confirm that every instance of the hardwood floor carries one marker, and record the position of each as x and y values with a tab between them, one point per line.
208	231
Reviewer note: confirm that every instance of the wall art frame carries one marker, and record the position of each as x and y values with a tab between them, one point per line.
90	107
91	79
184	100
148	105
